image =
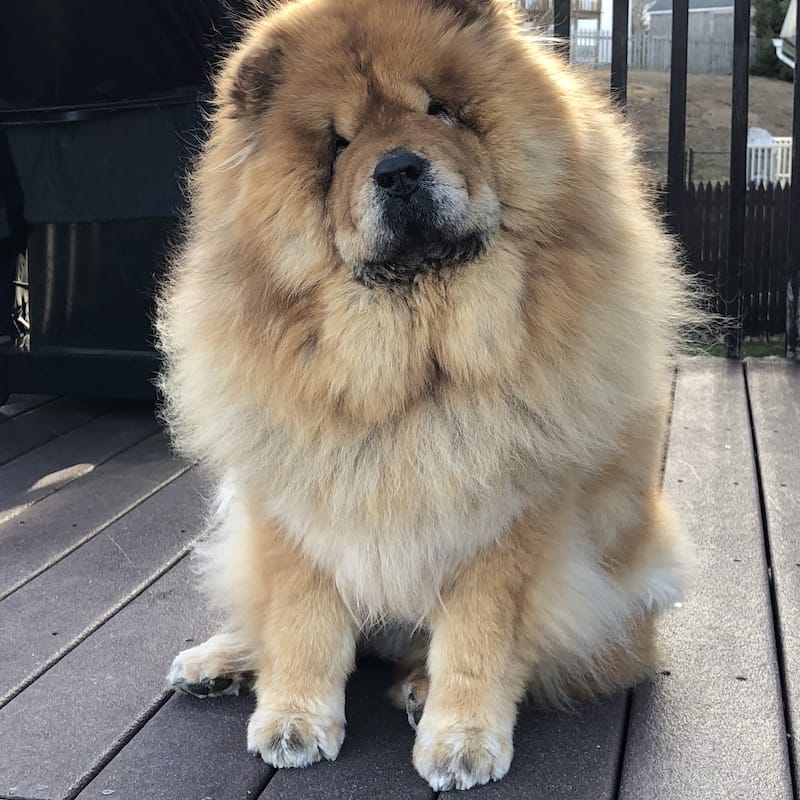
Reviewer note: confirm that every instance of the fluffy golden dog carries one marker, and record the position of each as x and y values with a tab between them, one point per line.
420	331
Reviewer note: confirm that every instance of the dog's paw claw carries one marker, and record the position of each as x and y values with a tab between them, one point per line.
209	687
187	676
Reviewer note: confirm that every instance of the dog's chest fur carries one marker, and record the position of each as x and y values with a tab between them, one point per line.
397	571
391	514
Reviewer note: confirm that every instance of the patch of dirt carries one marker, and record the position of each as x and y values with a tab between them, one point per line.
708	117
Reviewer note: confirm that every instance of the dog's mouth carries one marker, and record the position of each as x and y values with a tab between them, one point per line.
420	220
421	254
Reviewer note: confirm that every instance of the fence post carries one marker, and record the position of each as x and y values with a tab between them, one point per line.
619	52
793	282
676	184
738	174
562	25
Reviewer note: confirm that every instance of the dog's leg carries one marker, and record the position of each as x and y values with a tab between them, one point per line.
303	666
464	737
223	664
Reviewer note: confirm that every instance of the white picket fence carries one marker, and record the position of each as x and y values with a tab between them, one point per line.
770	163
648	52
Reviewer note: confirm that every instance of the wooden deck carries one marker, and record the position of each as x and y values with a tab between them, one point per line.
96	596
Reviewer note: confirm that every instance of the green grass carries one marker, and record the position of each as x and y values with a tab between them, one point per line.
750	349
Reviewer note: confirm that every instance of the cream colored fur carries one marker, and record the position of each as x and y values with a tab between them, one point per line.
476	456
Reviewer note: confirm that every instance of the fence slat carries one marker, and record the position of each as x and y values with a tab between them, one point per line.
711	236
749	301
780	259
774	258
762	264
704	229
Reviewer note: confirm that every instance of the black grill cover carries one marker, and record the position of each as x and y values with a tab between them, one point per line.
101	101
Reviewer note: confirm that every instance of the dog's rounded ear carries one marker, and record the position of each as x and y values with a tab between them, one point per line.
250	77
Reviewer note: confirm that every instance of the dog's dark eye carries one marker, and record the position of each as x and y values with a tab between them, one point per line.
439	109
339	146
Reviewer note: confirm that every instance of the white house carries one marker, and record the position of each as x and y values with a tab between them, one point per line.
786	43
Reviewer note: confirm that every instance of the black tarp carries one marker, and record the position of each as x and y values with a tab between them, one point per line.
100	100
80	53
125	165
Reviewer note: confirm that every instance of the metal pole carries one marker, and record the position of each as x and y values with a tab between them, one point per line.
738	175
793	282
676	185
619	53
562	24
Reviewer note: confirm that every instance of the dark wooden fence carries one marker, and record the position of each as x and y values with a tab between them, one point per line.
704	227
736	225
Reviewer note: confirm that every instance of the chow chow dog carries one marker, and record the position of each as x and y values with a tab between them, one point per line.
419	331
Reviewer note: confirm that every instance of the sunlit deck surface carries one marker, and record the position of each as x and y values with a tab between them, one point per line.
96	597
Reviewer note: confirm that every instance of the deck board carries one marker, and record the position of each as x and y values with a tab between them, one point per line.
563	754
20	403
712	725
190	749
95	715
53	610
77	715
33	428
775	399
375	761
49	530
42	471
196	748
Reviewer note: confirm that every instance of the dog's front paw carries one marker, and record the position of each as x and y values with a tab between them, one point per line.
293	739
192	672
460	757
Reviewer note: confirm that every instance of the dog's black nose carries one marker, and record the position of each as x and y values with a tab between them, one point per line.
399	172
